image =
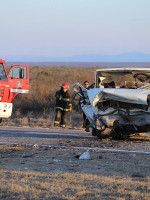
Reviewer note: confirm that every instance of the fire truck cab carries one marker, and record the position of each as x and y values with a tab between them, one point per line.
12	84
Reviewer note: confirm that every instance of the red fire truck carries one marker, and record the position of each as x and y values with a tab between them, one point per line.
12	84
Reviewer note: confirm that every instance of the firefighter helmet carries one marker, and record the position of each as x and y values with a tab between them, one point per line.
65	85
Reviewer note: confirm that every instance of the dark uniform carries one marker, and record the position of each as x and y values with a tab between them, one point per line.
86	123
63	105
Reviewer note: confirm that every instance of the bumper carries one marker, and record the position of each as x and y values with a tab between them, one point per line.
5	109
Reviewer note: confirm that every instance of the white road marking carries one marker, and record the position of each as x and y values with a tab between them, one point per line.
82	148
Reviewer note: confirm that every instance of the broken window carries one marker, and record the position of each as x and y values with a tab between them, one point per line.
123	79
3	76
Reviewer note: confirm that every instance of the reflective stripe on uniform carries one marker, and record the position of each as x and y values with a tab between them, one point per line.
63	125
66	109
60	108
65	99
63	109
56	122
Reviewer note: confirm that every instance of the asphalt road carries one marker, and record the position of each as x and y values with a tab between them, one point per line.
44	133
68	138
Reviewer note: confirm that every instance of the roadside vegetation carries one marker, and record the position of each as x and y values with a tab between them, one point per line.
71	186
32	173
37	107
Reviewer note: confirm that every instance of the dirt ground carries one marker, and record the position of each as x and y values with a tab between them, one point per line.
44	159
116	169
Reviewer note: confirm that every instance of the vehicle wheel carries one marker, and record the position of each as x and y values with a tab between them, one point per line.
119	134
94	132
0	120
106	133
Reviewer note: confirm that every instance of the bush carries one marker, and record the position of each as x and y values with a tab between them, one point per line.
45	81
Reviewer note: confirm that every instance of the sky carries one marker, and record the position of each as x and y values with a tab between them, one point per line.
58	28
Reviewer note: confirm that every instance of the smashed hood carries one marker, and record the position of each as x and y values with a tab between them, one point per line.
138	96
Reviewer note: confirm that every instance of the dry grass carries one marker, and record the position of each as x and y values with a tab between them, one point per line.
39	119
114	176
31	185
36	109
45	81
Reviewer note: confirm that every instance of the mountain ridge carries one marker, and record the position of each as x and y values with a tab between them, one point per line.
123	57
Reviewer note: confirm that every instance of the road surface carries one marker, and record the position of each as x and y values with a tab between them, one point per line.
44	133
67	138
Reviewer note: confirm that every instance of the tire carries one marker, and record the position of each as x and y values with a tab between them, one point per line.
106	133
94	132
119	134
102	134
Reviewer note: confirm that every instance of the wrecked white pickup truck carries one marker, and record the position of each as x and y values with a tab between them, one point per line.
119	104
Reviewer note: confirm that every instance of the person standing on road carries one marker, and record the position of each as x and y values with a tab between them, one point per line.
63	105
86	122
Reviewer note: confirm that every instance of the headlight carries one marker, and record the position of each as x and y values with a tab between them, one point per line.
5	105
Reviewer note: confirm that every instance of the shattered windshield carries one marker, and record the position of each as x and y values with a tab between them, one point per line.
3	76
123	79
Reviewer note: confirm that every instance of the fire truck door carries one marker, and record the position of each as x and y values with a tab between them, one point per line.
19	78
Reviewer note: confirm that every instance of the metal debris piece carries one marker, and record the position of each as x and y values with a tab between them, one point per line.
85	156
35	146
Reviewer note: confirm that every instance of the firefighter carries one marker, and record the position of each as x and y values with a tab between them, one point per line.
63	105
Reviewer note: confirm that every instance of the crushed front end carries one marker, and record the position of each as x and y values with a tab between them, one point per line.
119	105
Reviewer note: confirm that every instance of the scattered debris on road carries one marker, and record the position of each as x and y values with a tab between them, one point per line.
85	156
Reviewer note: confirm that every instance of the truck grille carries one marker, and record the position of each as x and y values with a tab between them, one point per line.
1	93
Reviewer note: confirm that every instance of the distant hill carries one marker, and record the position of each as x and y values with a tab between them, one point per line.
124	57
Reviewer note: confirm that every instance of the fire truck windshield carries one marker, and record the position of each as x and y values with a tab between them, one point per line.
3	76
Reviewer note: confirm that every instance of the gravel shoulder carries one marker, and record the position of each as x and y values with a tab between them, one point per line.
62	155
50	168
